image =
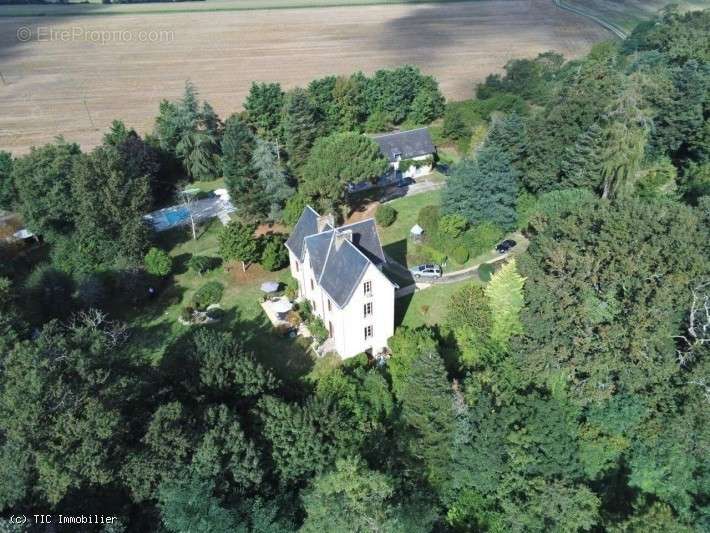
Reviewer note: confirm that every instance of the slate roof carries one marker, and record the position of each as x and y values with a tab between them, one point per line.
338	264
406	144
343	271
307	225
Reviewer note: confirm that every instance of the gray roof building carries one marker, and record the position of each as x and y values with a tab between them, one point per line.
405	144
340	256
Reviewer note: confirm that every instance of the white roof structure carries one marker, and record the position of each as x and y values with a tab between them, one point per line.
416	230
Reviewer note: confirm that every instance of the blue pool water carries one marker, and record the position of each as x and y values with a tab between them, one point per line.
177	216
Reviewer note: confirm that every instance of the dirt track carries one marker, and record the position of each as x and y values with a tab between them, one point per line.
75	86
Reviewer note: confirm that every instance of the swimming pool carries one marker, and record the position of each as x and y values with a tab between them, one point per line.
176	216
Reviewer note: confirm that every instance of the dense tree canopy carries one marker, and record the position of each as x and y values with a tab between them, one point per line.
335	162
565	391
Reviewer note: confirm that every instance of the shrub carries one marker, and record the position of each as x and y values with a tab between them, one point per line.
432	256
428	218
293	209
201	264
453	225
482	238
187	312
460	255
291	288
158	262
317	329
275	254
385	215
455	127
485	271
210	293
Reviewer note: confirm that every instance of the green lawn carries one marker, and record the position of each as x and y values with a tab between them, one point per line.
395	238
157	325
397	243
427	307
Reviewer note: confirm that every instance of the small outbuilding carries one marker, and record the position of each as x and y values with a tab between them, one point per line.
416	232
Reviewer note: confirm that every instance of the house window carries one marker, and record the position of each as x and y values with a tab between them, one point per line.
368	332
329	304
330	328
296	263
368	309
312	286
367	286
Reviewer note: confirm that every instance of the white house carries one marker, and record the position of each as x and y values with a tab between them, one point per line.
339	273
412	145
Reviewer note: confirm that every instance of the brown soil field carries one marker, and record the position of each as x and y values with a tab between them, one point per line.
65	81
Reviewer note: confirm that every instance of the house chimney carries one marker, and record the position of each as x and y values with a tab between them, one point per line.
325	219
342	236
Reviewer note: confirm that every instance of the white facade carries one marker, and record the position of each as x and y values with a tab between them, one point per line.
364	323
413	171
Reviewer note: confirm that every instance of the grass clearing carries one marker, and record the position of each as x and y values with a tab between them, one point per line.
427	307
156	325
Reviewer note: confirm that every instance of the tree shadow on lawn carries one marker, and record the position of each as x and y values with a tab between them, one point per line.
288	357
180	263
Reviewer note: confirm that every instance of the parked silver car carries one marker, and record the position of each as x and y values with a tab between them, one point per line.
426	271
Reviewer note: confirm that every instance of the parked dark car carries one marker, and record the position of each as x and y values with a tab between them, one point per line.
505	246
426	271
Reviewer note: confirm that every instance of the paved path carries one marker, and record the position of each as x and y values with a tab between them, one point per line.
456	276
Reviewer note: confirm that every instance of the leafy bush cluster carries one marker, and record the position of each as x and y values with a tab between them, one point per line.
201	264
385	215
449	236
210	293
158	262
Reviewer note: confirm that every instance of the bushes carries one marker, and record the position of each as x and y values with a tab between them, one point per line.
158	262
385	215
432	255
482	238
485	271
317	329
428	218
201	264
291	291
210	293
460	255
452	226
274	255
447	236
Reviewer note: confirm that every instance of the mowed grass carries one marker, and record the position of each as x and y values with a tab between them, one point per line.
427	307
156	326
395	238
